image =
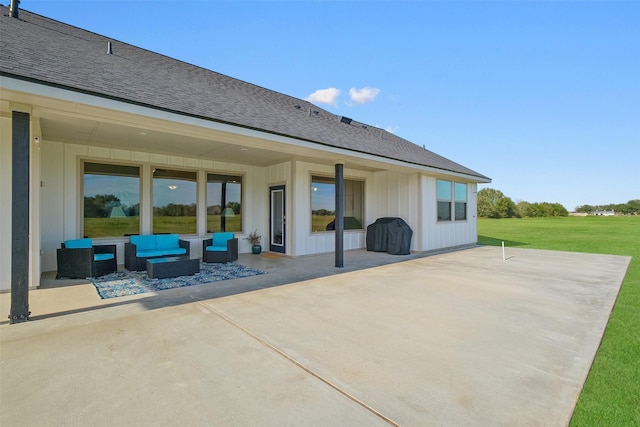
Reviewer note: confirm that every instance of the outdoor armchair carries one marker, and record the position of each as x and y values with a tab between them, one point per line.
222	247
80	258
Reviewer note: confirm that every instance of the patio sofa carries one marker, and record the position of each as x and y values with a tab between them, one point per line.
141	248
221	247
80	258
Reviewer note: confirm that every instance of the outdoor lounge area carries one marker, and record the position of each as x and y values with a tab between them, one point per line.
272	269
152	262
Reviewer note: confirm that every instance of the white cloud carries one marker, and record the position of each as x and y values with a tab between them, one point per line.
327	96
364	95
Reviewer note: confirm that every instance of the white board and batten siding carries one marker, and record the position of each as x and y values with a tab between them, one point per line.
446	234
306	242
61	176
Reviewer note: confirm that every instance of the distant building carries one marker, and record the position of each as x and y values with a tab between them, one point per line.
604	213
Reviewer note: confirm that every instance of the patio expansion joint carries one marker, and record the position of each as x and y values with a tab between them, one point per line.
296	363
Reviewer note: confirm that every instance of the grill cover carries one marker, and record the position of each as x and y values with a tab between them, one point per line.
391	235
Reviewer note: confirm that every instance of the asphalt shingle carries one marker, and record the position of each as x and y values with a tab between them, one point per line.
40	49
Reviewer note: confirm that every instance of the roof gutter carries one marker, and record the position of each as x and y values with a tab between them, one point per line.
13	9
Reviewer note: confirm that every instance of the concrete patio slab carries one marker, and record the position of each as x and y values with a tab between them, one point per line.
462	338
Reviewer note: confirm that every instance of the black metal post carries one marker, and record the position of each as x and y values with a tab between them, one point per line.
223	202
339	221
20	218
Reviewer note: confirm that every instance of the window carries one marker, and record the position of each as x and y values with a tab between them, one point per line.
449	194
224	203
111	200
323	202
460	201
444	200
174	201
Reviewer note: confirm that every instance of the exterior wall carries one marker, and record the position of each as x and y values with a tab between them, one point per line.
58	183
51	196
5	196
56	201
397	196
304	241
62	184
445	234
409	196
279	174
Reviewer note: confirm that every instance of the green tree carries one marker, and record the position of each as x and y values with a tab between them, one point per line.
585	209
235	206
214	210
505	208
493	203
552	209
527	210
100	205
634	207
322	212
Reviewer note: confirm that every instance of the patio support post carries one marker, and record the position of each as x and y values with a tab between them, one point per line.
339	221
223	202
20	218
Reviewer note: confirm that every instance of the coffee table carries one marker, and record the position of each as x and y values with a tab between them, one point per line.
161	268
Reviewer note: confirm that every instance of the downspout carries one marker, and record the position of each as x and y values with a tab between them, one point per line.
13	9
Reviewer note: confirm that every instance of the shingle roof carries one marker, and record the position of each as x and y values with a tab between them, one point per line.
40	49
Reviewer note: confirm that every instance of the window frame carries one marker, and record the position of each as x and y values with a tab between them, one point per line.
242	180
82	194
443	196
327	179
457	201
170	168
452	200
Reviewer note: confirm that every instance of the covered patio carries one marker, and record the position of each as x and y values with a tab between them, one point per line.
108	140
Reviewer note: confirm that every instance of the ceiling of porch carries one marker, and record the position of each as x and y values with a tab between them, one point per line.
188	142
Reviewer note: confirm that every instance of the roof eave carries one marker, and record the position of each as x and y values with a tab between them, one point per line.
371	156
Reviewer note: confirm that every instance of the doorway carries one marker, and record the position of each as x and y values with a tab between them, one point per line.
277	219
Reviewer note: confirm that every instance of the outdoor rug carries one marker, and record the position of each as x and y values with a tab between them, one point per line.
137	282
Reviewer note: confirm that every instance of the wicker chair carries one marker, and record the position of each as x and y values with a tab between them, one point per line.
222	247
79	259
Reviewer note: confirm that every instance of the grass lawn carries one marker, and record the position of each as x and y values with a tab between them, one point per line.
109	227
319	222
611	395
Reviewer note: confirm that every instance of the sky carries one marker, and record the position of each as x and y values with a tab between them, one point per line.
542	96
